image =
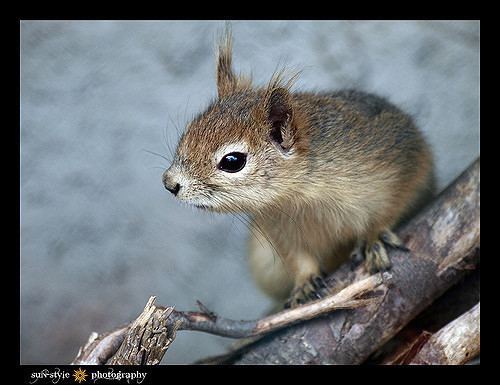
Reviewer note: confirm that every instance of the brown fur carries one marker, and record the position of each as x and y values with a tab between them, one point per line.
324	171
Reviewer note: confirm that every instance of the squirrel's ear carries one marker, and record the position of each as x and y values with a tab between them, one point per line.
226	80
280	113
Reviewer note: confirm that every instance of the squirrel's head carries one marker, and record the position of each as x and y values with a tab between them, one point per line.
240	153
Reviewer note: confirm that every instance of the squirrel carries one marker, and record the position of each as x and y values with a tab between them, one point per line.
322	175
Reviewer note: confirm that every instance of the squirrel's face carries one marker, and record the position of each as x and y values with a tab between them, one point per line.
239	154
234	156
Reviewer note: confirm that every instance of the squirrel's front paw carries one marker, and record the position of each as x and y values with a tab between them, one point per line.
314	288
376	258
375	254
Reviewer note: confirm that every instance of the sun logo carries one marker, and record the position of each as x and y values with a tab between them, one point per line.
80	375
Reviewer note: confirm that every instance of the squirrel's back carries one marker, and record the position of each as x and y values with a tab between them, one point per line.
355	135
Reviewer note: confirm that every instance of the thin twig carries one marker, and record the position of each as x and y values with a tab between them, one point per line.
346	298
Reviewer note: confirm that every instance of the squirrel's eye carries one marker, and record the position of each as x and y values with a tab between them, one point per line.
233	162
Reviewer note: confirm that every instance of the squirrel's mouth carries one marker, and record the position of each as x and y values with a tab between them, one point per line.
202	205
207	205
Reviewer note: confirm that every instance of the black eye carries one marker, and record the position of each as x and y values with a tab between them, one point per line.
233	162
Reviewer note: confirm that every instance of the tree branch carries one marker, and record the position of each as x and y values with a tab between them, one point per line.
403	347
146	340
455	344
349	297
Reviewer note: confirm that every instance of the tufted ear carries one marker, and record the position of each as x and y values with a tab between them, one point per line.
226	79
280	115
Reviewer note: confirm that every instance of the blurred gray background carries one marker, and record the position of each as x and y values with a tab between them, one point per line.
99	234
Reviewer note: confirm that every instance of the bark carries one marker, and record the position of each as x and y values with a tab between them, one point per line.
455	344
142	342
402	348
100	347
148	337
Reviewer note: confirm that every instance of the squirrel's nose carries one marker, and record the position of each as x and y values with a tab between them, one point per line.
174	190
170	184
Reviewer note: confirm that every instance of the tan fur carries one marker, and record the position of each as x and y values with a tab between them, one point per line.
323	172
227	81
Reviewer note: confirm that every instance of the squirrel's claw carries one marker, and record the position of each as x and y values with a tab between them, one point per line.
375	253
376	260
392	240
376	257
314	288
